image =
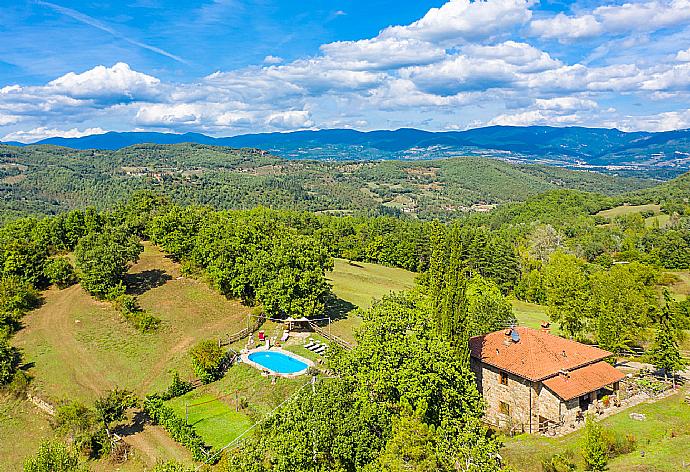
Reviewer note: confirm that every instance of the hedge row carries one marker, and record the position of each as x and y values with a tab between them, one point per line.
178	428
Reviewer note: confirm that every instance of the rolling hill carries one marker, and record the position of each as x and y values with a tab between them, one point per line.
661	154
44	179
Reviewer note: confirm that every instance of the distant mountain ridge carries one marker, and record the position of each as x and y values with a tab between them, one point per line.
569	146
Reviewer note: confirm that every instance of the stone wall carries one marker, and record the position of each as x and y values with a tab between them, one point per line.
516	395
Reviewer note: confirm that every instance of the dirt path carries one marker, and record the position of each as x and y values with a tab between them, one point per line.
54	323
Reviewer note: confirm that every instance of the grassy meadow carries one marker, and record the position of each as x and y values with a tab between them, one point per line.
663	435
357	285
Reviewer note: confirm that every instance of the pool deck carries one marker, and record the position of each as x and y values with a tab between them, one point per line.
244	356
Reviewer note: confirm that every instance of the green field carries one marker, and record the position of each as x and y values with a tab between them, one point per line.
663	437
529	314
629	210
215	417
79	347
356	285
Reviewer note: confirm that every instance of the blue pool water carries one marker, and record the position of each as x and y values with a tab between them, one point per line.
278	362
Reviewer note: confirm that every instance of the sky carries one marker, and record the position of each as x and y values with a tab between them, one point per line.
227	67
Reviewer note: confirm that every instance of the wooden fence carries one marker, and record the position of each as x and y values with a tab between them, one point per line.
341	342
232	338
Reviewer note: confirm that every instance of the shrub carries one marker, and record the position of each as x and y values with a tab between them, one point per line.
562	462
60	272
618	444
207	360
177	387
53	456
10	358
132	312
594	446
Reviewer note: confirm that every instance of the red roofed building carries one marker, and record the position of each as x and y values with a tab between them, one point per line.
531	379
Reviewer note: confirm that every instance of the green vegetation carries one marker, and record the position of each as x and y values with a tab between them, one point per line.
662	435
51	179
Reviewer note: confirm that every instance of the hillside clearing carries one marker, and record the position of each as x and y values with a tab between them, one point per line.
356	285
629	210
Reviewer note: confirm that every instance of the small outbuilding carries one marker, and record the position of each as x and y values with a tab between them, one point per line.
533	380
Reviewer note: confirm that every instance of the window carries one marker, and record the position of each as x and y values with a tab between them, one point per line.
503	408
503	378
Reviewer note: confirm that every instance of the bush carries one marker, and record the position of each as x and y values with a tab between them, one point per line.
594	446
618	444
562	462
60	272
132	312
10	358
178	428
53	456
177	388
207	360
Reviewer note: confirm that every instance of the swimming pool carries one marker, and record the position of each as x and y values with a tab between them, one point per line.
278	362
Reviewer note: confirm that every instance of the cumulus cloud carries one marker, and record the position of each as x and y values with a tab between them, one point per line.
289	120
461	20
463	63
38	134
118	82
683	55
615	19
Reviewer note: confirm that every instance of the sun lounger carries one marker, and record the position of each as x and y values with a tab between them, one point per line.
309	345
315	347
321	349
286	335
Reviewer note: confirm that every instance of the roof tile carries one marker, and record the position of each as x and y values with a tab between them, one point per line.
536	356
583	380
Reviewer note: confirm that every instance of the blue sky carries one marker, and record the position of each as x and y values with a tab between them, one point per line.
226	67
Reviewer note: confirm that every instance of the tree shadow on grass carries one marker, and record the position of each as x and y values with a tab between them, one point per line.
142	282
136	426
338	309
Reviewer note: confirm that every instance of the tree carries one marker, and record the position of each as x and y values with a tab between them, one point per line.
207	359
594	446
487	309
413	447
10	359
623	302
567	292
102	260
112	406
665	353
60	272
53	456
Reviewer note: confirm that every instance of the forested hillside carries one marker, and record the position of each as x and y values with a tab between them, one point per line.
48	179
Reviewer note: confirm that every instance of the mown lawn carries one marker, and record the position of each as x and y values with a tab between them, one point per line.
212	417
529	314
356	285
664	437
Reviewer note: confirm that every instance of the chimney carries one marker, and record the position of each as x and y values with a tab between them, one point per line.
546	327
564	374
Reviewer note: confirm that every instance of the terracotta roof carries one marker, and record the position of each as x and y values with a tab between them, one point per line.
536	356
583	380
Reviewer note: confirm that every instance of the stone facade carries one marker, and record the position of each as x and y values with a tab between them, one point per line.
531	405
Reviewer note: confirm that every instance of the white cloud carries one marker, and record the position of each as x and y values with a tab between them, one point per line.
289	120
614	19
383	53
38	134
683	55
273	59
461	20
118	82
565	104
526	57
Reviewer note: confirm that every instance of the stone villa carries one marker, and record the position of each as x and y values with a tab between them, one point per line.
532	380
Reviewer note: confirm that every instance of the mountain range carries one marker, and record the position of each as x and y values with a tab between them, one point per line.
575	147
